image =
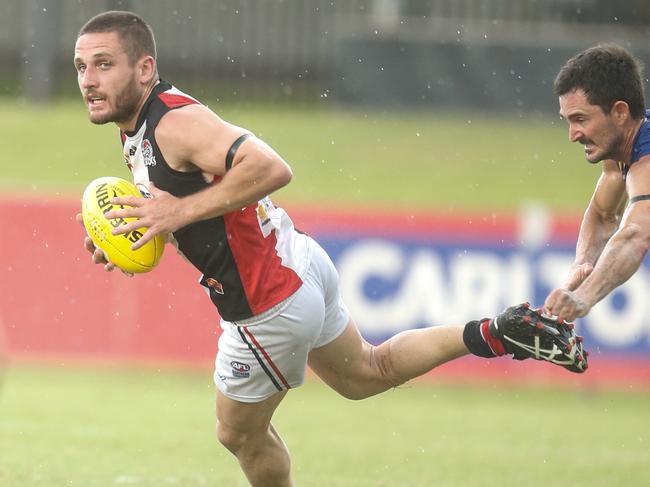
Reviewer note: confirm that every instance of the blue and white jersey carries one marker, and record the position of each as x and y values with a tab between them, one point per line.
641	146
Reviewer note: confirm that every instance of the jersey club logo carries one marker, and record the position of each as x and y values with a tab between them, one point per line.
147	153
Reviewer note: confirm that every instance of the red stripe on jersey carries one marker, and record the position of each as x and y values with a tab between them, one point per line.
174	100
265	280
267	357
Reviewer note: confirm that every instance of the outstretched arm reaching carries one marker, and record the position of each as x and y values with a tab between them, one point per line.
621	256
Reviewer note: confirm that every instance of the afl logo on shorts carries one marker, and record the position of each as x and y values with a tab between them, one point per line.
240	370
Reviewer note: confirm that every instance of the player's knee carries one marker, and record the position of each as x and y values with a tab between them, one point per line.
377	375
232	439
381	361
354	393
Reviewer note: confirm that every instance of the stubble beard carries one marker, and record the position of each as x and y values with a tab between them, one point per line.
610	151
126	104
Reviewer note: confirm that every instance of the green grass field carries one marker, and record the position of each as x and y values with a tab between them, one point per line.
99	427
392	159
141	427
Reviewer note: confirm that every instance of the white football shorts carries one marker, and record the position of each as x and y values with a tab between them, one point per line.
265	354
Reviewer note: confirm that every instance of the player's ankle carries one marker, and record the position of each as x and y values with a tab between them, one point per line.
480	342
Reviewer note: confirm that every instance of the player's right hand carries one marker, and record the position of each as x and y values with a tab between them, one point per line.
565	304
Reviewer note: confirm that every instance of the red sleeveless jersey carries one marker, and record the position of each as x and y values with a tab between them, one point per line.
250	259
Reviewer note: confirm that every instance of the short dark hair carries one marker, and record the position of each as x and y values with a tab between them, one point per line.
606	73
135	34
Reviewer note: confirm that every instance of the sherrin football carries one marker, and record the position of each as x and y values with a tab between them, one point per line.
117	248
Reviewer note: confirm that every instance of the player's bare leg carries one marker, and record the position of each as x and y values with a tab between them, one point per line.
356	369
246	430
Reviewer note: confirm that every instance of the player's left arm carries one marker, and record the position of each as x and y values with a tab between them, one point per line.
193	138
626	249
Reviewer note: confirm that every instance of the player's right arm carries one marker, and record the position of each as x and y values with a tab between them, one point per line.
193	138
601	220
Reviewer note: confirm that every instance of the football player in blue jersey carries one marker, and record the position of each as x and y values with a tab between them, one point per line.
601	97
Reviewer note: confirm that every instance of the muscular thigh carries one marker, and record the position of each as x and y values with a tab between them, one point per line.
246	418
345	364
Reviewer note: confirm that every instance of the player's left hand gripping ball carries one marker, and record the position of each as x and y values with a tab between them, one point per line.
117	248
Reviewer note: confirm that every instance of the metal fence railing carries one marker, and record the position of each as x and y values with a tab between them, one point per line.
289	47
